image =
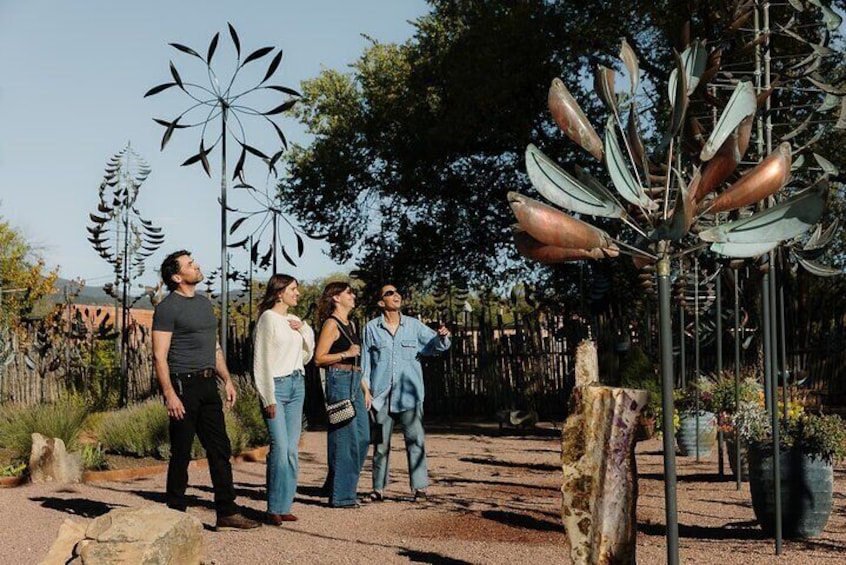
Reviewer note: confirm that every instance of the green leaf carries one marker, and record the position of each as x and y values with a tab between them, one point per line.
741	104
565	191
621	176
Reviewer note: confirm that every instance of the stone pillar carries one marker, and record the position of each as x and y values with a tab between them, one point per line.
600	475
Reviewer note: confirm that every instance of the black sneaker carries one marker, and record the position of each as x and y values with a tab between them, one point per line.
420	496
235	522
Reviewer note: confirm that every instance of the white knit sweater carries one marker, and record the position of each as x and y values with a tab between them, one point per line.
279	351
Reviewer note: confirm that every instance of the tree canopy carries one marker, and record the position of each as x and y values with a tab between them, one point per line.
20	268
415	149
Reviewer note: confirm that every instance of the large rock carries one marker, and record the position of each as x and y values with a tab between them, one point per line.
148	535
70	534
600	478
49	460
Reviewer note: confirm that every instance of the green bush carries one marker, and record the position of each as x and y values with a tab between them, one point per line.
140	430
93	457
13	470
248	410
63	419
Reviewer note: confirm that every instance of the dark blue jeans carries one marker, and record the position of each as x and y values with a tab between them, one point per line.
348	442
203	418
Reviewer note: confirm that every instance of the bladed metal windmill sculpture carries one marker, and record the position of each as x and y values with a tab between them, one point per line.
691	200
217	100
122	237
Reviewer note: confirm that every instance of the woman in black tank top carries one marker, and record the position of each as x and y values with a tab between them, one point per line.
338	351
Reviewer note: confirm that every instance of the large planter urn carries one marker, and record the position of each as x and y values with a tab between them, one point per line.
731	448
689	435
806	491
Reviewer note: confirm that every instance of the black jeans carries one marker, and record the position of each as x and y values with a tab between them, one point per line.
203	418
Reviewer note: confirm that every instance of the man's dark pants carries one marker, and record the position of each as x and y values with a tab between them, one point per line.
203	417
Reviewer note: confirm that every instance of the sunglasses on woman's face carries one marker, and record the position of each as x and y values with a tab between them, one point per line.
391	293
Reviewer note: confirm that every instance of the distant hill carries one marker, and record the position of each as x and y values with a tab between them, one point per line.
89	294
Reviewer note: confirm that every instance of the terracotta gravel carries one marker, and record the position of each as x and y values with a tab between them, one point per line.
494	499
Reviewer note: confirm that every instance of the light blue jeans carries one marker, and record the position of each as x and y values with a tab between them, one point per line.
285	428
415	450
348	442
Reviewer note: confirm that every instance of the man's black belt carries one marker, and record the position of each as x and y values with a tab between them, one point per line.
201	373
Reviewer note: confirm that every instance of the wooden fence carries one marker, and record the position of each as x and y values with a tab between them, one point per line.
491	366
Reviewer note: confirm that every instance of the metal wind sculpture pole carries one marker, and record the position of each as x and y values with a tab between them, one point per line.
218	100
133	239
691	199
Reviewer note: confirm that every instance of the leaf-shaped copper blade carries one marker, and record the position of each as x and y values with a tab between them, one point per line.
553	227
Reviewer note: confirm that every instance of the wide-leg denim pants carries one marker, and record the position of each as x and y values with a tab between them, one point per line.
415	450
348	442
285	428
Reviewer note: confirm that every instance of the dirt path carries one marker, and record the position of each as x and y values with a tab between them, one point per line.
493	500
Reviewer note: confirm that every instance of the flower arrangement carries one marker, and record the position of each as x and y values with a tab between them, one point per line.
699	393
816	435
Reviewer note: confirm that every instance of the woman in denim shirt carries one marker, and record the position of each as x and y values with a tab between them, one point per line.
283	345
338	350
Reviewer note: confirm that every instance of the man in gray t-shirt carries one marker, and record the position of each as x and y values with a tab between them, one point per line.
188	360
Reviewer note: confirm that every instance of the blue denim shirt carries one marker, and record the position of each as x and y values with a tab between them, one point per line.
391	363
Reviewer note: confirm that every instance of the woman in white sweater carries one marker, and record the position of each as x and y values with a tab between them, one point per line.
283	345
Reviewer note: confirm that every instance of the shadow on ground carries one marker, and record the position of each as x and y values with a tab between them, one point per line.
82	507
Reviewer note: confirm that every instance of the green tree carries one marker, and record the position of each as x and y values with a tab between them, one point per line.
20	268
415	149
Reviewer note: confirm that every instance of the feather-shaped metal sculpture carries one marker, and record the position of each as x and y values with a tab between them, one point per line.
742	104
572	120
627	55
725	162
756	184
535	250
625	183
553	227
784	221
567	192
743	250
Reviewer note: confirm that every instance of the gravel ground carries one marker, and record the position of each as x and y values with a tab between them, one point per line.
494	499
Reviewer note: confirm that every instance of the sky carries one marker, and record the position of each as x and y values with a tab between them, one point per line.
72	80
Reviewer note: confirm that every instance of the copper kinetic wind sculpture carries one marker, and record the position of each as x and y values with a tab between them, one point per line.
724	181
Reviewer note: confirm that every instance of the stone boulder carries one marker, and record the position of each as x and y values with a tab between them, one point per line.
49	460
149	535
70	534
